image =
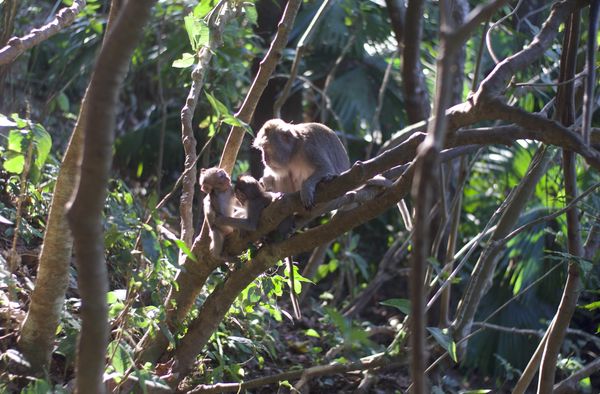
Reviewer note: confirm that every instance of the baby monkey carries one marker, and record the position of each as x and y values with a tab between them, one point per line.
215	182
254	198
299	156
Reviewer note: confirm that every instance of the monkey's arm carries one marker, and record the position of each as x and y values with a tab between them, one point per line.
307	190
245	224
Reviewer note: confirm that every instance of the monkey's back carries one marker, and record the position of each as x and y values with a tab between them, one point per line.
325	141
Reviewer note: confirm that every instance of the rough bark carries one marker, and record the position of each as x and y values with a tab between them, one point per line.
416	97
38	330
85	212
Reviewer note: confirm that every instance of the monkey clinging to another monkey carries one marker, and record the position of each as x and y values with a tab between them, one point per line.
298	157
218	202
254	199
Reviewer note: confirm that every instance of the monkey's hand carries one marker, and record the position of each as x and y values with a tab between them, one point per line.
307	191
307	195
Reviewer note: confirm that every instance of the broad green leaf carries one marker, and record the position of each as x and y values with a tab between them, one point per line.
197	30
16	139
14	162
43	143
119	359
401	304
187	60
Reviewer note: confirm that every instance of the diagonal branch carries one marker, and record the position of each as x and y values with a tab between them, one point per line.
17	45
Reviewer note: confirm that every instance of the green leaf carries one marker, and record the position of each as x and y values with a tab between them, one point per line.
592	306
21	123
233	121
14	162
63	102
197	30
251	13
444	340
120	360
183	247
187	60
218	106
312	333
43	144
16	139
401	304
202	9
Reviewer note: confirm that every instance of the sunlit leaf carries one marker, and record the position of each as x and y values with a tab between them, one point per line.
186	60
183	247
197	30
16	139
43	144
14	162
202	9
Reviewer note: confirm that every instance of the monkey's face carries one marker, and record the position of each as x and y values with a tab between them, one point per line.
214	179
277	145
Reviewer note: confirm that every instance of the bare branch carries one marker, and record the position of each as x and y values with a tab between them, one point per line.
17	45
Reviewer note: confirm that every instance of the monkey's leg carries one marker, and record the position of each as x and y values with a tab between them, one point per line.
216	243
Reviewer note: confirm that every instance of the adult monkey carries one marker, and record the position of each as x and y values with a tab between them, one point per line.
298	157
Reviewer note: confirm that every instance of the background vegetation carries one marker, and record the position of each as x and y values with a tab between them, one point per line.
476	270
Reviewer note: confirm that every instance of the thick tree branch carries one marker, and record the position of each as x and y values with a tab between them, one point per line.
17	45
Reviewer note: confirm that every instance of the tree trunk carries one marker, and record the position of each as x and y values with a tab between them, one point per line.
85	213
36	339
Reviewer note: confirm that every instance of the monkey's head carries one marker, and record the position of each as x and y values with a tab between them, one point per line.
277	141
247	188
214	179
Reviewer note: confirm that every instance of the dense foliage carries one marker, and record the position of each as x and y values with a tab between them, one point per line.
356	303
